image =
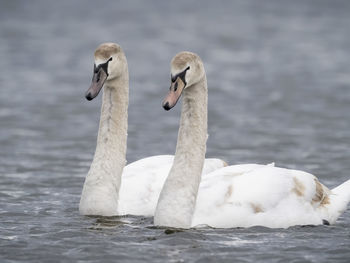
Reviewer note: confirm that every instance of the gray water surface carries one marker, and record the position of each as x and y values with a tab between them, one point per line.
278	77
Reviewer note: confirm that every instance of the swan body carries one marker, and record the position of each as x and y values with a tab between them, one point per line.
264	195
109	188
239	195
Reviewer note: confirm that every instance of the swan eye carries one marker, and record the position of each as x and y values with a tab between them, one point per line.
98	76
103	66
180	75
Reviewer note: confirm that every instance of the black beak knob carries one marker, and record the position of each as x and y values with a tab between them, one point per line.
166	106
88	96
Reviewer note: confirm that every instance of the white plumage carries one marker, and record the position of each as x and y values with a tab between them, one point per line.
234	196
251	195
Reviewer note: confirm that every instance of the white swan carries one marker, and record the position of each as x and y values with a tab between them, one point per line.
239	195
104	193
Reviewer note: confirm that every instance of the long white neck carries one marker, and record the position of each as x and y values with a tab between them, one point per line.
177	200
102	184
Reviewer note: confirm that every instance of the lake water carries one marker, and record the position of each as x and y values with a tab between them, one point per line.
278	77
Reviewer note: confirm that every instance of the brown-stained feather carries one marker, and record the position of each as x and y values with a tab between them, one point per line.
299	188
256	208
322	194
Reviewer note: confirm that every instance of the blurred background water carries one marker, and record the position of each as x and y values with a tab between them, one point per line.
278	77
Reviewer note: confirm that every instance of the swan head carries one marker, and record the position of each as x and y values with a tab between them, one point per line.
110	63
186	70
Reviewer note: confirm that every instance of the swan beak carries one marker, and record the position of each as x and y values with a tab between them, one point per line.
174	94
98	79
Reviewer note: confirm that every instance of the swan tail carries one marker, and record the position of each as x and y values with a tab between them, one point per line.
340	197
